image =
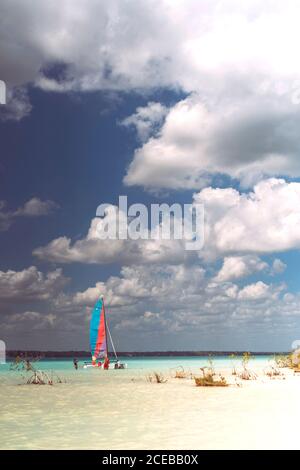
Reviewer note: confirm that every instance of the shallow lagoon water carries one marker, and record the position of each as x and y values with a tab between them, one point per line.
152	363
98	409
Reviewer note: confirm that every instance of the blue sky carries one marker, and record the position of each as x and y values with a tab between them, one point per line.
174	114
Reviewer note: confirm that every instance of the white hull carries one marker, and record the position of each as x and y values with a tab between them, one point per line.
111	366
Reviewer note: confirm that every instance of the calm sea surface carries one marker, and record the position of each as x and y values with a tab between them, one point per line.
121	409
151	363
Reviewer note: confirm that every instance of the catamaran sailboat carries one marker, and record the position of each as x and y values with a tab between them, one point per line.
99	335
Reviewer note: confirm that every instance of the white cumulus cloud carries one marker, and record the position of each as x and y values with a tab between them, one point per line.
236	267
264	220
34	207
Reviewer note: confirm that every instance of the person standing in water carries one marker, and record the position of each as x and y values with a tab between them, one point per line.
75	362
106	363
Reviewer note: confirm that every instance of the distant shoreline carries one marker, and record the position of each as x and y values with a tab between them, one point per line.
62	354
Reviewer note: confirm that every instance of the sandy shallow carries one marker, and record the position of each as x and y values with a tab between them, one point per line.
121	410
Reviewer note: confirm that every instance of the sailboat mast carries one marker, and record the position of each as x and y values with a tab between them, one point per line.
107	334
105	326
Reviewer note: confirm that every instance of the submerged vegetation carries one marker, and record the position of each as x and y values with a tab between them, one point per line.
283	361
210	379
181	373
246	373
156	377
291	361
242	372
40	377
295	360
31	375
273	372
233	365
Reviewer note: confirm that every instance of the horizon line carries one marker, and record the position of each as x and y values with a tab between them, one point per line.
154	352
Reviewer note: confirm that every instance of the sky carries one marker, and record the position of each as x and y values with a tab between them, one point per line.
162	101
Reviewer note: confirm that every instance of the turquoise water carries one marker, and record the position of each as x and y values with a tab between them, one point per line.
153	363
137	413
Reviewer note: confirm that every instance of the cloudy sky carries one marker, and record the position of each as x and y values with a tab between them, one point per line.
163	101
